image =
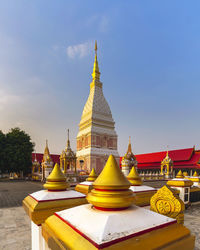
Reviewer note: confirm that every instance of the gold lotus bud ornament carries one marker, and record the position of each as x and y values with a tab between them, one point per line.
92	176
180	175
134	177
56	181
111	189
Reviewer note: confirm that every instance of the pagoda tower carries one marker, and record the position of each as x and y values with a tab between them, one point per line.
96	138
129	160
68	158
47	163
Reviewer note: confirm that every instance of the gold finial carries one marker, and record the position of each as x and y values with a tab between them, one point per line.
95	47
195	174
68	141
185	174
46	150
167	153
92	176
96	73
134	177
111	189
56	181
129	146
180	175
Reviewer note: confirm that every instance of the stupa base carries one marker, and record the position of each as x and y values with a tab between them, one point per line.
86	228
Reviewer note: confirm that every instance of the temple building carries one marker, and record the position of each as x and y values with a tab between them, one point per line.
188	160
68	158
97	138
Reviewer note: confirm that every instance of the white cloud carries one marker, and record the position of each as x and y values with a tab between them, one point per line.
80	50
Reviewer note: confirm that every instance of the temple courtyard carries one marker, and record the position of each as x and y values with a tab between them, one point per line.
15	230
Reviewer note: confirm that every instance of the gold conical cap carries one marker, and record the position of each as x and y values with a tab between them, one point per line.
111	189
92	176
195	174
134	177
180	174
96	73
46	150
185	174
111	177
56	181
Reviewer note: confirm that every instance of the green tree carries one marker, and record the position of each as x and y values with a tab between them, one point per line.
18	151
2	152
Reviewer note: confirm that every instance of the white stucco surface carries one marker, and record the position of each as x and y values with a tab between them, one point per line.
102	226
87	183
44	195
97	151
141	188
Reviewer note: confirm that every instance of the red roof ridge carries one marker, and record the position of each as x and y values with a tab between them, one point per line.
175	155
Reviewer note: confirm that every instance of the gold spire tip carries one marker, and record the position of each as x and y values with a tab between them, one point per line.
95	46
180	174
134	177
56	181
92	176
111	189
195	174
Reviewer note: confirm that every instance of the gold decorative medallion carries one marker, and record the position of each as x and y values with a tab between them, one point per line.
166	202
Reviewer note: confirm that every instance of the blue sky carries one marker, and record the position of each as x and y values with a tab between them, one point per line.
149	58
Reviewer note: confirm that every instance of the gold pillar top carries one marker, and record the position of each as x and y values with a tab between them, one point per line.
96	73
111	177
111	189
180	174
56	181
134	177
92	176
195	174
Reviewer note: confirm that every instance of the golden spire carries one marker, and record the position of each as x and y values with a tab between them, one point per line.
56	181
195	174
68	141
46	150
129	146
180	175
92	176
167	154
96	73
111	189
134	177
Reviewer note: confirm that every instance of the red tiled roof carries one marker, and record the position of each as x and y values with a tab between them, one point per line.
39	157
175	155
182	158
